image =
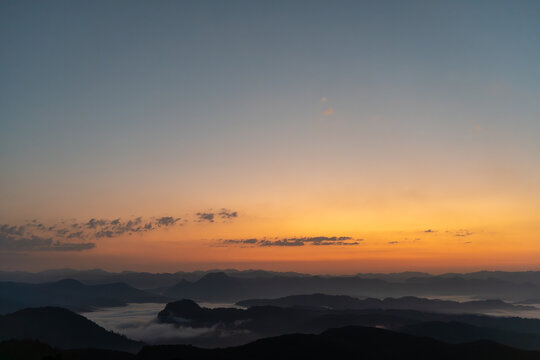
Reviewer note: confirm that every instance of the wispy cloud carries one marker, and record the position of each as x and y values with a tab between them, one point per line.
63	246
63	235
463	233
328	112
205	216
226	215
167	221
17	239
299	241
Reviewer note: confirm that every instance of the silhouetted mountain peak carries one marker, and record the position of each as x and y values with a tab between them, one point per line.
214	277
185	308
67	284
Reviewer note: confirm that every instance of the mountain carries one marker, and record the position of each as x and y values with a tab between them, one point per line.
35	350
61	328
344	302
456	332
531	301
228	326
337	343
514	286
343	343
70	294
223	287
140	280
532	277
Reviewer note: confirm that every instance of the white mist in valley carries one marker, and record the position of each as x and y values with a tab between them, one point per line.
139	322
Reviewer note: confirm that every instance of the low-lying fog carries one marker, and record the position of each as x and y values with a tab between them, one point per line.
139	322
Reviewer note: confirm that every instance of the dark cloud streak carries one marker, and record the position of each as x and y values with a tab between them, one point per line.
292	242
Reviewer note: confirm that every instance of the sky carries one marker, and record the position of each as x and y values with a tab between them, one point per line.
314	136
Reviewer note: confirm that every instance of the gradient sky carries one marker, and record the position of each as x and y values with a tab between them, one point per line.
409	128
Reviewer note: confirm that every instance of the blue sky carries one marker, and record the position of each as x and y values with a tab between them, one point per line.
119	108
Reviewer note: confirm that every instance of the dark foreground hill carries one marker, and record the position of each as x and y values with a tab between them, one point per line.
63	329
458	332
70	294
342	343
343	302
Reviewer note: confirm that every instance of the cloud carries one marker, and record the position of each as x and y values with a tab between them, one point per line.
300	241
76	235
166	221
32	243
104	233
430	231
12	230
138	322
227	214
159	333
284	242
11	240
336	243
328	112
93	223
62	235
393	242
205	217
463	233
62	246
244	241
323	99
224	214
61	232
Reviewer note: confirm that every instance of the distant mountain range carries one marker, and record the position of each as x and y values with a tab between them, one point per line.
223	287
71	294
140	280
340	343
63	329
146	280
343	302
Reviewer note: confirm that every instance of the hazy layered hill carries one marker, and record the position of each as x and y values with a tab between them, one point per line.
227	326
146	280
223	287
63	329
70	294
342	343
140	280
343	302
